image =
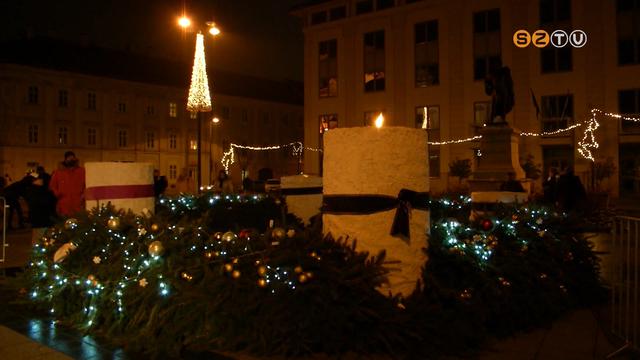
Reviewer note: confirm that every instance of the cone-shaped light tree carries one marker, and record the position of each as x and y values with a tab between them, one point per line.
199	100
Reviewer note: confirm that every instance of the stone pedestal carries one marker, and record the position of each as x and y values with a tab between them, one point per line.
500	156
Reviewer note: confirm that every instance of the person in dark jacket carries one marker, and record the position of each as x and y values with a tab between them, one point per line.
41	200
160	183
571	193
12	194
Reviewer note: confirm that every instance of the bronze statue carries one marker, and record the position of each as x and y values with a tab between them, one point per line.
499	85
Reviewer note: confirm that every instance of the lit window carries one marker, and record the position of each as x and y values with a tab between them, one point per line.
328	68
173	109
556	111
486	43
193	144
173	141
122	107
328	122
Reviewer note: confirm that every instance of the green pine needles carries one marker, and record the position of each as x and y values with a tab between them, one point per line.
208	274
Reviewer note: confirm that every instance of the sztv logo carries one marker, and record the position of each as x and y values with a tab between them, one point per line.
558	38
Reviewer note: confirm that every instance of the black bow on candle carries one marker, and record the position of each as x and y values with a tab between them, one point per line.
369	204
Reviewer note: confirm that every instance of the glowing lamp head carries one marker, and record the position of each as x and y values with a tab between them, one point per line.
379	121
215	120
184	22
213	29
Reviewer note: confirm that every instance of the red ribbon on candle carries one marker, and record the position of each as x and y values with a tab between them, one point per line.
119	192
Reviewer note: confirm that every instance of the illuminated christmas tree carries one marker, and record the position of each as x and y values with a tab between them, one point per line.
199	97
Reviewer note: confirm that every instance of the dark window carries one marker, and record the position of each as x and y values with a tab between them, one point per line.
91	101
486	43
384	4
426	54
557	112
363	7
338	13
63	98
628	32
62	135
629	105
428	117
556	60
481	114
557	156
151	110
554	11
122	107
555	14
224	112
318	18
173	141
33	134
32	95
374	61
122	138
328	68
92	136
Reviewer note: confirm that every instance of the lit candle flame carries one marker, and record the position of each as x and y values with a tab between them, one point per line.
379	121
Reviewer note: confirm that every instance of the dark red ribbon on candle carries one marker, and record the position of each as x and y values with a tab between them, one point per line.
119	192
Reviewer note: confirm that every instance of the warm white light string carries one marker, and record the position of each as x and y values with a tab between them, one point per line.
228	157
587	143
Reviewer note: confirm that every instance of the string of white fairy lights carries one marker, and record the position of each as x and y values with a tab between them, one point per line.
585	145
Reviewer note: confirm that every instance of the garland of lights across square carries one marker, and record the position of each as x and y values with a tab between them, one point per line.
186	278
587	143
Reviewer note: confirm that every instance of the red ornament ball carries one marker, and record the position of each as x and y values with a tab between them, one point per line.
486	224
244	233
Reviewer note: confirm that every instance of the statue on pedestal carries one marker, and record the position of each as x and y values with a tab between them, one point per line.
499	85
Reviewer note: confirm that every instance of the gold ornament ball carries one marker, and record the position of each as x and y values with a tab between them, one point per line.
71	224
278	233
91	277
155	227
262	282
235	274
156	248
228	267
309	274
262	270
113	223
313	254
303	278
229	236
298	269
208	255
217	236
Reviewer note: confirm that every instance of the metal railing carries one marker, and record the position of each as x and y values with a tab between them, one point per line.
625	283
4	208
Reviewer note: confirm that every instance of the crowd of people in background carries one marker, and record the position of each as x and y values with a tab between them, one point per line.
48	197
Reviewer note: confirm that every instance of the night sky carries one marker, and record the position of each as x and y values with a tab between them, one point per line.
259	36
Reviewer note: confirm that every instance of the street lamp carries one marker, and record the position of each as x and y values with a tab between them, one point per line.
199	100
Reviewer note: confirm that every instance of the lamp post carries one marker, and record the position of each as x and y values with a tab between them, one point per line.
199	100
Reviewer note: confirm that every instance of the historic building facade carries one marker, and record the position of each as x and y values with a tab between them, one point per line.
45	112
411	58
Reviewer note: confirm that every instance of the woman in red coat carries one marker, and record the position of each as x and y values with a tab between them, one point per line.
67	184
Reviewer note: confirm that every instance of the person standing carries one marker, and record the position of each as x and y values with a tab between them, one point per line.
160	183
42	204
68	185
12	194
571	193
224	183
550	187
